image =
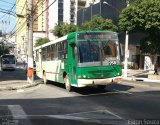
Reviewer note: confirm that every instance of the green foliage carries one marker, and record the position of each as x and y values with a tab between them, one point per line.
99	23
4	50
41	41
63	29
143	16
150	45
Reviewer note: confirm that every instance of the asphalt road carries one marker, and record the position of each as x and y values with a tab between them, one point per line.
51	104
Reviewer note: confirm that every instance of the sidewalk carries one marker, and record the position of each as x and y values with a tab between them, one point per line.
142	77
16	84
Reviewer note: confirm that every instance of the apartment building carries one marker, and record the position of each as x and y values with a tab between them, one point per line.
39	19
60	11
21	28
39	24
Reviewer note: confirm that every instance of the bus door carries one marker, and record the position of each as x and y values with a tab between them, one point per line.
72	62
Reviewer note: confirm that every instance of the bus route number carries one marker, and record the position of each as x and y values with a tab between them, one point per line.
112	62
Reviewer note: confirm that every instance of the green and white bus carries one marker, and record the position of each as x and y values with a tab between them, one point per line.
80	59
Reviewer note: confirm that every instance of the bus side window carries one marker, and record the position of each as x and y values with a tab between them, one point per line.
44	54
65	49
56	51
52	51
48	53
60	46
37	56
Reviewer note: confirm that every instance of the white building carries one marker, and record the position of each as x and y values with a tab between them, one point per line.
58	11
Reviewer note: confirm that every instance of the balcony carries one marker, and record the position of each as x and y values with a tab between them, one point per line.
72	1
72	12
72	20
72	7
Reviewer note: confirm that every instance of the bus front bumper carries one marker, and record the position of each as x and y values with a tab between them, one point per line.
92	82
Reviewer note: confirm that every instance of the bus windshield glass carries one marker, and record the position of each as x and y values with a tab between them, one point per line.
89	51
97	48
8	59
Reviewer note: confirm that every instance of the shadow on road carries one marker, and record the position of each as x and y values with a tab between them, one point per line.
94	89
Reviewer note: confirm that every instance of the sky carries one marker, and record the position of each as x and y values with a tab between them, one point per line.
7	21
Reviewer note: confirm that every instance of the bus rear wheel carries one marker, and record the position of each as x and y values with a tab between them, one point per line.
67	84
45	78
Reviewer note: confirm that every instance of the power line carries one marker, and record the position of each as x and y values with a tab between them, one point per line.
36	18
8	11
45	9
35	7
10	3
6	2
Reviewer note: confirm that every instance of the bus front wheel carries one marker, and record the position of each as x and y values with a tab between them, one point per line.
67	84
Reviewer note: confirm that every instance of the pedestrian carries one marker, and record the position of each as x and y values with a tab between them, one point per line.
156	69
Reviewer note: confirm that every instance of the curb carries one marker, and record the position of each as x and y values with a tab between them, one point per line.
142	82
18	87
133	82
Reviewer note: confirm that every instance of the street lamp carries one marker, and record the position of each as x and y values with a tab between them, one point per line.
105	2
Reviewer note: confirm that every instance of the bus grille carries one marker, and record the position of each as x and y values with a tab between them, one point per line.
102	73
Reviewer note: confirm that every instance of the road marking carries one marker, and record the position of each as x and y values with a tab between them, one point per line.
125	92
96	111
67	117
17	112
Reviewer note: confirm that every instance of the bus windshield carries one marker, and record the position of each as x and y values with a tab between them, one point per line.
8	59
97	49
89	51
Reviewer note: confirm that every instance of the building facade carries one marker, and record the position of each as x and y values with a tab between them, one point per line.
21	28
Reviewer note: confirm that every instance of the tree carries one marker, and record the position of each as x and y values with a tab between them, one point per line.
143	16
63	29
99	23
41	41
4	50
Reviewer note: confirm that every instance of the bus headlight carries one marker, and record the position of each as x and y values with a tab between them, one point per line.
84	76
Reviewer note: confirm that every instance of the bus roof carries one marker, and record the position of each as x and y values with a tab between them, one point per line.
51	42
69	36
7	55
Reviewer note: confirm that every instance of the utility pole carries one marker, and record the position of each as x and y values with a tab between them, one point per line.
30	42
126	50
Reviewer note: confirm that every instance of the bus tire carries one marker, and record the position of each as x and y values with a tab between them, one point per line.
67	84
45	81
